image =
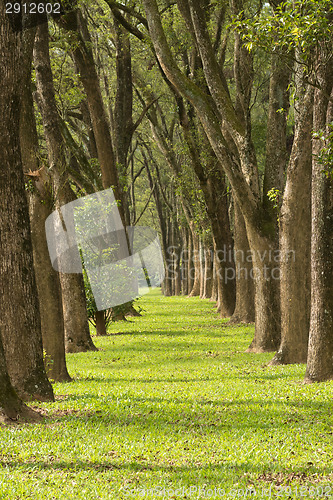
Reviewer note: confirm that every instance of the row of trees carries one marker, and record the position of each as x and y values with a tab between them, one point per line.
224	150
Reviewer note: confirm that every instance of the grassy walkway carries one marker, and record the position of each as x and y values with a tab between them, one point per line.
173	402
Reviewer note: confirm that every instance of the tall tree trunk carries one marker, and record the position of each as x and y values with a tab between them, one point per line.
320	351
295	241
86	67
19	307
123	120
266	273
48	284
77	333
202	268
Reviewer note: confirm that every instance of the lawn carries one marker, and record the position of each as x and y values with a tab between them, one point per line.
171	407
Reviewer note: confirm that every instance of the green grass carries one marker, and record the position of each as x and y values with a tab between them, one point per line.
173	402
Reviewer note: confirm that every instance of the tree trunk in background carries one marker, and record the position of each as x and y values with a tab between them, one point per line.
295	241
100	323
184	263
208	279
123	119
77	333
244	310
47	278
202	268
19	307
320	351
190	262
196	261
86	67
214	296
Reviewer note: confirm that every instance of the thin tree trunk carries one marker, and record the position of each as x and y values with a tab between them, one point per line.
184	263
196	261
208	279
190	263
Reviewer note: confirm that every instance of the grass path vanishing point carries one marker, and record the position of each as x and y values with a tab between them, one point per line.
171	407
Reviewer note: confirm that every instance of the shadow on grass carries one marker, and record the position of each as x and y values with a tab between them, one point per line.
305	472
192	415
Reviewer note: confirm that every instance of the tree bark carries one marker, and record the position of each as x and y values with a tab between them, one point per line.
244	309
12	407
208	278
86	67
320	351
19	307
295	242
77	333
100	323
195	291
48	284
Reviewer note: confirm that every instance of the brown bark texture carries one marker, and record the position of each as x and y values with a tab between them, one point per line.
244	309
320	350
295	238
39	194
19	307
76	325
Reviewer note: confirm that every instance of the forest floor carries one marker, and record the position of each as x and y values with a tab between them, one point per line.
171	407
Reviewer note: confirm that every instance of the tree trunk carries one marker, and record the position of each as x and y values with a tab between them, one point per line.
77	333
100	323
244	310
208	278
266	275
48	285
19	307
184	263
86	68
295	242
195	291
202	268
12	407
214	296
320	351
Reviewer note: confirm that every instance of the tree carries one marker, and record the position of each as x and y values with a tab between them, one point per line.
74	305
216	112
320	353
19	307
